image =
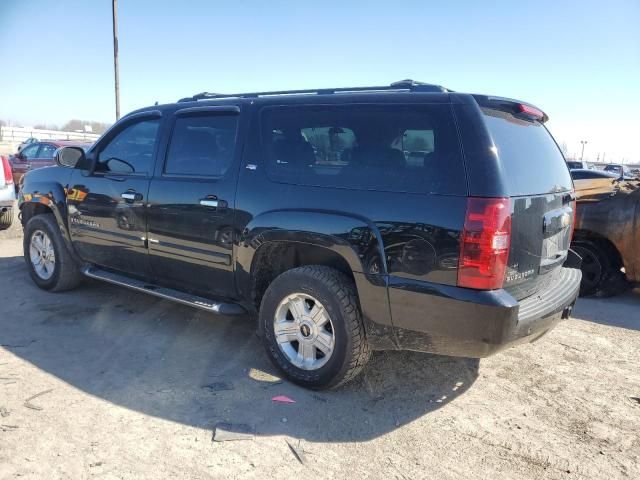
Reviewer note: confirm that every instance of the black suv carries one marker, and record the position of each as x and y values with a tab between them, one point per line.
346	220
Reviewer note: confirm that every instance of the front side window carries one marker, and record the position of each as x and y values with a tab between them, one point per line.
202	145
131	150
30	152
402	148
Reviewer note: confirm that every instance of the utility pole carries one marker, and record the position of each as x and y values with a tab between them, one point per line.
114	9
583	142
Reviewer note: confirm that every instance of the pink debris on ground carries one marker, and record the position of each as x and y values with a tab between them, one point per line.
282	399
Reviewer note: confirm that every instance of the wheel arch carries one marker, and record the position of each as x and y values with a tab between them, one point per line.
44	198
275	257
277	241
292	238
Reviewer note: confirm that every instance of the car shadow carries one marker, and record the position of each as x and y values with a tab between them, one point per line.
620	311
189	366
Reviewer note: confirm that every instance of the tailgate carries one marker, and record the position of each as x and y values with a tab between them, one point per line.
540	239
540	189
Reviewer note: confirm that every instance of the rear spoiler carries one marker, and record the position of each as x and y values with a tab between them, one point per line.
516	107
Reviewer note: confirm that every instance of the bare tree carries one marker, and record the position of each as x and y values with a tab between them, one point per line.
564	149
75	124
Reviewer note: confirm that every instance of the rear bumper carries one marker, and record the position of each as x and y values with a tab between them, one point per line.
457	321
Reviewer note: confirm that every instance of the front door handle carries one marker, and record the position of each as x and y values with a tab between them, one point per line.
212	201
131	196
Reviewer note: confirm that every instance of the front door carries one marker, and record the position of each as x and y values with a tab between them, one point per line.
191	203
107	209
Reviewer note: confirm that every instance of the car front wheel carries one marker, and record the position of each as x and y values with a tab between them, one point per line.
50	263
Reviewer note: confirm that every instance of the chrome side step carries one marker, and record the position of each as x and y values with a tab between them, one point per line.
163	292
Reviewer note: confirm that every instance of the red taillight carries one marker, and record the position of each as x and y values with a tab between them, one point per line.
531	111
8	177
574	207
484	246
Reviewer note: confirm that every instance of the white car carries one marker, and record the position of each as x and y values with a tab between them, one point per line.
7	193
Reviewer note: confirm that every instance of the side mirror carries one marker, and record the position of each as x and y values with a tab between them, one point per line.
70	157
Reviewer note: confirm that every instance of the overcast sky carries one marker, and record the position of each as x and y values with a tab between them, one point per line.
577	60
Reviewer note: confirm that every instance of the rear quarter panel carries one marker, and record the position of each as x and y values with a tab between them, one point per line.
380	234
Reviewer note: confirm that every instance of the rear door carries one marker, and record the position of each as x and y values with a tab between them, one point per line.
192	201
537	179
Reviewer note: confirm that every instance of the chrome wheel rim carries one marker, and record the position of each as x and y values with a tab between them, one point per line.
304	331
43	257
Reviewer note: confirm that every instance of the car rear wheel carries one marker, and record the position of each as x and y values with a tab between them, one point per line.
6	218
312	328
50	263
600	275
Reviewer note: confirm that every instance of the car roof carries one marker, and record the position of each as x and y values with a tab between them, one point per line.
601	173
403	91
65	143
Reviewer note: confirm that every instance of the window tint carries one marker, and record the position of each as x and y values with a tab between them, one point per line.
131	150
202	145
47	151
531	159
375	147
30	151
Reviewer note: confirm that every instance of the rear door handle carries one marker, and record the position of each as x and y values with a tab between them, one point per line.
209	202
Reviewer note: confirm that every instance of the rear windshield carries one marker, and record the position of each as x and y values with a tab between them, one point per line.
531	160
394	148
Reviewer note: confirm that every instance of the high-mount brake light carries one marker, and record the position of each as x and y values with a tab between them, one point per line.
530	111
485	242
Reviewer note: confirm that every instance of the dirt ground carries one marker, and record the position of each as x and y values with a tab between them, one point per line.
132	387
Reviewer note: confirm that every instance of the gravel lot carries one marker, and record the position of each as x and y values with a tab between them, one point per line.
132	387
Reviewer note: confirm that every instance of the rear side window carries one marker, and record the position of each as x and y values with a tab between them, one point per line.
202	145
47	151
532	162
401	148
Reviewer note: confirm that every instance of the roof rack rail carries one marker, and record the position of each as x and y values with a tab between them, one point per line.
400	86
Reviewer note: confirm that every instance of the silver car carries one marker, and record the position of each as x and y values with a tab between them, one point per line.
7	193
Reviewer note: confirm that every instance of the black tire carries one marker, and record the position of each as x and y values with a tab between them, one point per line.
337	294
66	272
601	275
6	218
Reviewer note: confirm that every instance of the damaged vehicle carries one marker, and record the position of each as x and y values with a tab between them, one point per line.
594	185
607	237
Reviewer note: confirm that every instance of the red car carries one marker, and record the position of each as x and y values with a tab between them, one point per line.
37	155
